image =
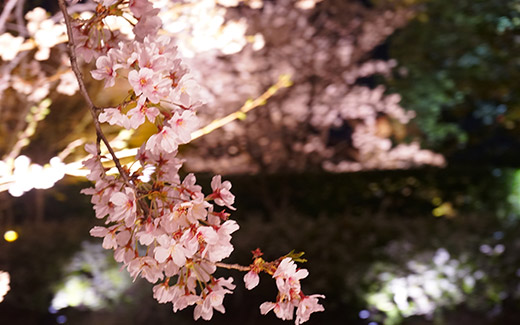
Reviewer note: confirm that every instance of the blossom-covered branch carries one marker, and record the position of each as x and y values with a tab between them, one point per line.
161	227
83	89
15	178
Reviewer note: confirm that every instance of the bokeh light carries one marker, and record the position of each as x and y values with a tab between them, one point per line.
10	235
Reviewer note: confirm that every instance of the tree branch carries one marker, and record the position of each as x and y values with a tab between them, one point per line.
283	82
233	266
93	108
20	23
9	6
83	90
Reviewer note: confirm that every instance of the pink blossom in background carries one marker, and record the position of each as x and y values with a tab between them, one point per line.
4	284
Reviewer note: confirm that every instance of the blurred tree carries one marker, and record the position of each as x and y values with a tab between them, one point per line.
334	117
458	67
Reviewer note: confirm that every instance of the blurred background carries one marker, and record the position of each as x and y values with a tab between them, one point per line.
379	137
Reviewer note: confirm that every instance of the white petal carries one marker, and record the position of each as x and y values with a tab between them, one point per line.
161	254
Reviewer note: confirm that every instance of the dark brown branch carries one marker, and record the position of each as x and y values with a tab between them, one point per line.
83	90
93	108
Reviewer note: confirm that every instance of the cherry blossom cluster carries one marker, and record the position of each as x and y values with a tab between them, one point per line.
103	31
177	239
290	295
162	227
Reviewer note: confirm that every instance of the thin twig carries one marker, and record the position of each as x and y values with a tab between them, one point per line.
70	148
32	115
233	266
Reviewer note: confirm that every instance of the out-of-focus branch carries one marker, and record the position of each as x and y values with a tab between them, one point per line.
20	23
35	114
5	71
283	82
70	148
9	6
76	168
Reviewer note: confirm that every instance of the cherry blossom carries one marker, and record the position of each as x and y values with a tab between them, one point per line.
161	228
306	307
140	112
169	248
106	3
290	295
164	141
221	193
184	124
124	207
214	299
143	81
251	279
106	69
114	117
283	309
108	234
163	293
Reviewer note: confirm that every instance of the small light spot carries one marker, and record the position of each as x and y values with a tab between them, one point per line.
498	235
478	274
61	319
233	150
10	235
499	249
486	249
406	191
364	314
436	201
